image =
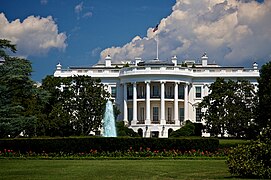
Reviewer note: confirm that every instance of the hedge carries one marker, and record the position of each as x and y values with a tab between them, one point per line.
77	145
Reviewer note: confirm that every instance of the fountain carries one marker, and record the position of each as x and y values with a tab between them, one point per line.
109	126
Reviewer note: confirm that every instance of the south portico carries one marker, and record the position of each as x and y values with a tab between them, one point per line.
153	108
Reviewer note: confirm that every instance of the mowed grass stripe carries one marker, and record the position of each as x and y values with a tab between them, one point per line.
113	169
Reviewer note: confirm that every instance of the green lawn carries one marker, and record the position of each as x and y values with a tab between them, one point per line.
113	169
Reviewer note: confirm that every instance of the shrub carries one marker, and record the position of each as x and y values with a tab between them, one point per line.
85	144
122	130
186	130
252	160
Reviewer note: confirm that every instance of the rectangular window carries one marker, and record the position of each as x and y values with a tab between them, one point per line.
198	92
169	114
169	92
198	114
113	91
141	92
181	92
130	92
142	114
181	114
155	91
130	114
155	114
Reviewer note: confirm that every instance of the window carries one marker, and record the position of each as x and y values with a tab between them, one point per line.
169	92
198	92
129	92
181	92
113	91
142	114
181	114
198	114
169	114
130	114
155	91
141	92
155	114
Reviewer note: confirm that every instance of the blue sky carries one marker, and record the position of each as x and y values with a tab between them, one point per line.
82	32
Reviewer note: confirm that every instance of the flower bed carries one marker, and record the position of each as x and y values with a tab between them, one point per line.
129	154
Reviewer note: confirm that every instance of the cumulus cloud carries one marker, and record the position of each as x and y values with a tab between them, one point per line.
230	31
78	8
33	36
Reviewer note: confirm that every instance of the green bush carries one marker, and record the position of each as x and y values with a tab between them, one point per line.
186	130
85	144
122	130
252	160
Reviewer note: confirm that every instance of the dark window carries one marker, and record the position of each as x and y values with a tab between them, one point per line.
181	114
181	92
130	92
198	92
155	114
155	91
113	91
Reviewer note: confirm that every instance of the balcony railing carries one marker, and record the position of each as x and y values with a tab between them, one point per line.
170	122
155	122
140	122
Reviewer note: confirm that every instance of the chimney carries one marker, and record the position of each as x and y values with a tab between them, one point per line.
204	59
137	60
174	60
58	67
108	61
255	65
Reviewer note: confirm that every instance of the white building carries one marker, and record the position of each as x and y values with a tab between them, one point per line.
155	97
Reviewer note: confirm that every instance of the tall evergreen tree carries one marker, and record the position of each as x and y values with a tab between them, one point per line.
16	88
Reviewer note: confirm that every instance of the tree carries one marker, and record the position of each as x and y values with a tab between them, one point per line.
229	107
263	114
16	90
76	105
215	107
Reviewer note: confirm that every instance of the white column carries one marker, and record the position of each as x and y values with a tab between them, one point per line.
186	96
134	104
125	110
176	110
148	103
162	121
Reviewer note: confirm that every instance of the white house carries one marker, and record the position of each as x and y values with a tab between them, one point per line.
155	97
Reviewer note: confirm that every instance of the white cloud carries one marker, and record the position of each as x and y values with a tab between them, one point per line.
87	14
78	8
33	36
231	32
43	2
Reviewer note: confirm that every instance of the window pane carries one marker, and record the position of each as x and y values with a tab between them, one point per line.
113	91
181	114
198	92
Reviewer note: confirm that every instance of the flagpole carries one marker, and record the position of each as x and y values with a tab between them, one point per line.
157	47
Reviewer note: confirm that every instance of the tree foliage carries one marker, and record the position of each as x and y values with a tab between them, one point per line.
229	107
187	130
263	115
16	91
76	105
